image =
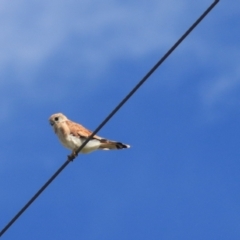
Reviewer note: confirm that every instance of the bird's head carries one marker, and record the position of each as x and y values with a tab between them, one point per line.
57	118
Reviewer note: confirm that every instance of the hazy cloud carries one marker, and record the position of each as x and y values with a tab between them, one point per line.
90	33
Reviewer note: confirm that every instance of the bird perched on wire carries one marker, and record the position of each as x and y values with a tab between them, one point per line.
72	135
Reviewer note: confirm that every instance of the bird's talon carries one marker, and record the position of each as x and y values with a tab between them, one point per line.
72	156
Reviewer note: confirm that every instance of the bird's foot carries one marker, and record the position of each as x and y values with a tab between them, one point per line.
72	156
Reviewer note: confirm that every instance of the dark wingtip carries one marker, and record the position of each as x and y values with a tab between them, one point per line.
120	145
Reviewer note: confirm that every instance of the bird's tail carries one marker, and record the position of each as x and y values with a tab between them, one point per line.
109	145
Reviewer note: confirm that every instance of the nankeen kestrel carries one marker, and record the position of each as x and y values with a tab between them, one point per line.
72	135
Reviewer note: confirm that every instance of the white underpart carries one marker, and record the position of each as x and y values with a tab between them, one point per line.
73	143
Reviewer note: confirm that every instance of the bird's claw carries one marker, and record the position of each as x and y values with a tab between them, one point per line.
72	156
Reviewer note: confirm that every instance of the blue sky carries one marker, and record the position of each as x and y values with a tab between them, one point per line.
180	179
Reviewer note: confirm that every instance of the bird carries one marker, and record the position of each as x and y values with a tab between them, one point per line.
72	135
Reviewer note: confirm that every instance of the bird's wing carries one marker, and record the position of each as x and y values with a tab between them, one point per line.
80	131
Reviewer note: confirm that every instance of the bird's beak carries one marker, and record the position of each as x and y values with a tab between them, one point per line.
51	122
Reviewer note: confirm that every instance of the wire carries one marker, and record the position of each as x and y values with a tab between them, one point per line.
110	115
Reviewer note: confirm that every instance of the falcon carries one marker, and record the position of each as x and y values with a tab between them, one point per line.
72	135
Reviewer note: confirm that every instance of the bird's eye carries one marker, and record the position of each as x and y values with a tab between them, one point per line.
56	118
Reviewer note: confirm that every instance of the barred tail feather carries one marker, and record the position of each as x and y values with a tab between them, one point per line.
109	145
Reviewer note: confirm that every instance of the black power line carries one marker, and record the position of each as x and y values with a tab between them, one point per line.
110	115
